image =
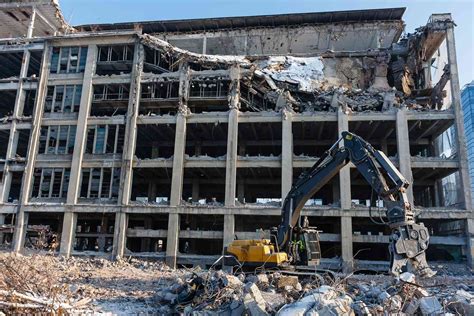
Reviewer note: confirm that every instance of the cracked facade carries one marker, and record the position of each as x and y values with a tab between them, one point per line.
167	139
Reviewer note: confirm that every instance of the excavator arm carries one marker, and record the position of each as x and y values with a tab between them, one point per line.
408	240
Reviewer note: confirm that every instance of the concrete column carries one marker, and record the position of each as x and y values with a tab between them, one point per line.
172	239
120	234
465	185
180	137
31	24
470	241
81	129
465	182
151	191
27	181
403	148
70	219
241	192
439	186
286	154
231	159
427	75
131	125
437	194
232	137
345	197
14	133
68	232
178	161
121	218
229	229
2	222
195	190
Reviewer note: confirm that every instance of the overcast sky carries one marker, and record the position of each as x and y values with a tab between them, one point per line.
418	11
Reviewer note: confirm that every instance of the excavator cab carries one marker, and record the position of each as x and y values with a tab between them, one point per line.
304	248
313	249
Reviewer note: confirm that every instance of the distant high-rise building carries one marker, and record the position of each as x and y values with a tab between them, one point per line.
467	100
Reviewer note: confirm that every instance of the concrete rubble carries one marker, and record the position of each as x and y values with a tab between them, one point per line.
55	285
326	82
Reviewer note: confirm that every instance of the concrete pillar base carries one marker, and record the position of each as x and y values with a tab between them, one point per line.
20	232
171	261
347	267
2	222
173	240
120	235
67	235
347	252
229	229
470	242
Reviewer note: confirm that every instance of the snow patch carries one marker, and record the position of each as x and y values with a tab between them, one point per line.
306	72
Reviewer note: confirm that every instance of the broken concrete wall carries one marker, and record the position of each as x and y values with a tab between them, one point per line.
302	40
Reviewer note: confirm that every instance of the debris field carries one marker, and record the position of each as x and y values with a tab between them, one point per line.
49	284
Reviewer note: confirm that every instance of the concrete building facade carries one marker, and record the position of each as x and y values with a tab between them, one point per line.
169	139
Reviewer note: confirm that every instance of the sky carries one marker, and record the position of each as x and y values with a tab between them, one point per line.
79	12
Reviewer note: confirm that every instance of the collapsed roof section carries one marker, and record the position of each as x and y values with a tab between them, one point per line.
374	80
17	16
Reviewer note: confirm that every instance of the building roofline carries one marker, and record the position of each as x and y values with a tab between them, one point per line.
209	24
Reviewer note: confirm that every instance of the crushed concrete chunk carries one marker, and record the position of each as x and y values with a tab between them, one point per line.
232	281
254	301
407	277
252	307
430	306
463	302
287	280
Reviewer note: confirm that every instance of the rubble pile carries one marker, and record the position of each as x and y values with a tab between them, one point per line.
29	288
377	82
216	292
45	283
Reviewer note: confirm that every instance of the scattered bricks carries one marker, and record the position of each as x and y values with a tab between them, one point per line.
430	306
287	280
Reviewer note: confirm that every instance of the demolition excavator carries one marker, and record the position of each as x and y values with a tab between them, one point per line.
294	243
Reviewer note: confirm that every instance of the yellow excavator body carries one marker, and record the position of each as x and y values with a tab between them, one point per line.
256	252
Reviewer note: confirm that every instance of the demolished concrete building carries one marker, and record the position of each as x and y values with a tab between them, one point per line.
168	139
